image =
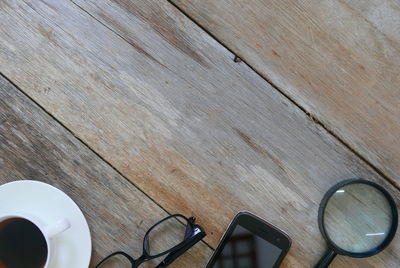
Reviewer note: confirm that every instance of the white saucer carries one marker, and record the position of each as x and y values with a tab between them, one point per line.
73	247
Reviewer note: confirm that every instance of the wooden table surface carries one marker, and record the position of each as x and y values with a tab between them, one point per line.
120	103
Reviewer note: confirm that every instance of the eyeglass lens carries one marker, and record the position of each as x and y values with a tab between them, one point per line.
166	235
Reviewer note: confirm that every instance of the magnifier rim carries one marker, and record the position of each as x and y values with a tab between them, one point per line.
321	219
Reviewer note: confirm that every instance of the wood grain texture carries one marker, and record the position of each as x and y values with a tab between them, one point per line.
169	108
339	60
34	146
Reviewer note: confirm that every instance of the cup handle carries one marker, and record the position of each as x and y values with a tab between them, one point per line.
57	228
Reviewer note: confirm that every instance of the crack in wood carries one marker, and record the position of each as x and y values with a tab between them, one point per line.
259	149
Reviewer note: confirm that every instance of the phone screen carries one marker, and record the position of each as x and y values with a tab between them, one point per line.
244	249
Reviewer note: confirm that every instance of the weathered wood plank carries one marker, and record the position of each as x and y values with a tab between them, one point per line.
168	107
339	60
34	146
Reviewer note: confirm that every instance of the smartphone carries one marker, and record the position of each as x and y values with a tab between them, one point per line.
250	242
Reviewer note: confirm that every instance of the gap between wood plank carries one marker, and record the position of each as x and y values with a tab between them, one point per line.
88	147
311	116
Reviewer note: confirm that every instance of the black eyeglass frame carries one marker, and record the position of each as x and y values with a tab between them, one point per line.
193	234
333	249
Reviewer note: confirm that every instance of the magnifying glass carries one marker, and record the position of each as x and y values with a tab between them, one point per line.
358	218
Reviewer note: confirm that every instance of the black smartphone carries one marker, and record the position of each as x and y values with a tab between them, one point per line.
250	242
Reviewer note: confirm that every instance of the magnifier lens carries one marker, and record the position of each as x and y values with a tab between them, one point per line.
357	218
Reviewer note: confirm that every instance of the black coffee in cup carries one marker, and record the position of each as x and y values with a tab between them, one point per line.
22	244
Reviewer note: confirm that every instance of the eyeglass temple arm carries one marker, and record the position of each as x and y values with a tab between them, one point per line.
175	254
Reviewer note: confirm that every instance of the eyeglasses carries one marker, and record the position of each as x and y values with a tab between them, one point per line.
168	236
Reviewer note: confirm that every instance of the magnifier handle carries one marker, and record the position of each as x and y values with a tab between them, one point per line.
328	257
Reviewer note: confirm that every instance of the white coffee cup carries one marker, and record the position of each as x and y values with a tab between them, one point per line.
48	229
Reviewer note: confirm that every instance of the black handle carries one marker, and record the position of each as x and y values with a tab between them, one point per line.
328	257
